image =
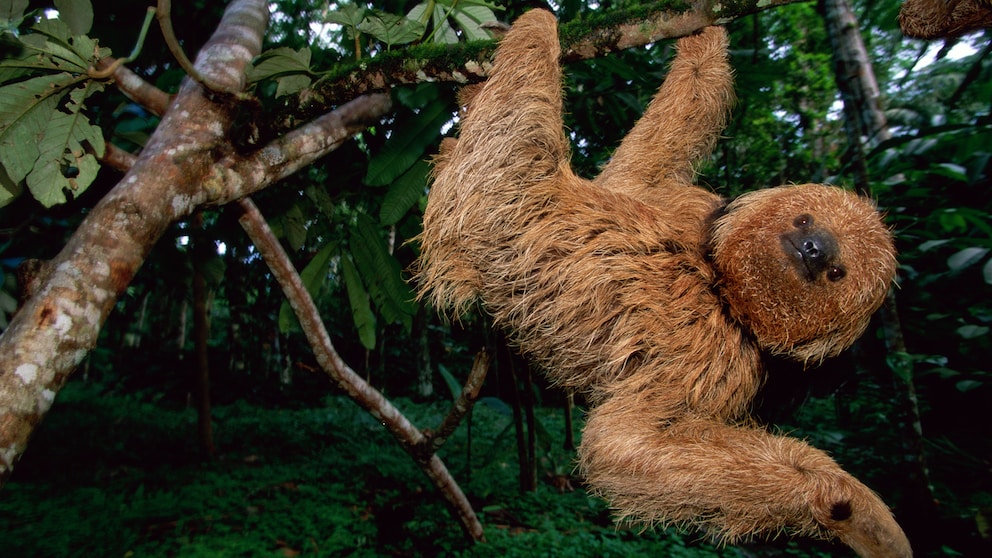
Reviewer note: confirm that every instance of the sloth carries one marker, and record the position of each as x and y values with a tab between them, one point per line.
655	298
932	19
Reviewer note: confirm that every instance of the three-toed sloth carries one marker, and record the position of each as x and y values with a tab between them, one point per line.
655	297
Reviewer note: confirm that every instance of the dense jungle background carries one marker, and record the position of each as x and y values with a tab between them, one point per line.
202	424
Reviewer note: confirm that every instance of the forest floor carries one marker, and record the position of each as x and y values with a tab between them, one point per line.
116	475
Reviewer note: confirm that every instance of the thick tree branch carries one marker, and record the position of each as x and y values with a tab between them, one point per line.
237	175
409	437
55	329
117	158
592	38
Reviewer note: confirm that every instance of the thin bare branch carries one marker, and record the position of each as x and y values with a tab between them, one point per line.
462	406
370	399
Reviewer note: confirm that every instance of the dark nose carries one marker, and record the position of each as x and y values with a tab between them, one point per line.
817	248
812	250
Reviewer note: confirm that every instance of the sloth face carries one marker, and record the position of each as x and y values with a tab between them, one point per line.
803	267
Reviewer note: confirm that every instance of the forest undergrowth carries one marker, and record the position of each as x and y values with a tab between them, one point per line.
119	475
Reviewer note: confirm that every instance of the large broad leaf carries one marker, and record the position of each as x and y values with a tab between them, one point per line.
77	14
25	109
12	13
290	68
391	29
54	40
470	20
966	257
361	312
313	276
407	144
454	386
9	190
381	274
294	227
66	162
64	167
443	31
404	193
348	15
280	61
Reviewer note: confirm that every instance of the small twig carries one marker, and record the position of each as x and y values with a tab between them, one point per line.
164	17
117	158
106	72
461	407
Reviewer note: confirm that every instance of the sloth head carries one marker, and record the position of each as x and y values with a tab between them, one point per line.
803	267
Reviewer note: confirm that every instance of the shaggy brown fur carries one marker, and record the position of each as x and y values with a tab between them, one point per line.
932	19
654	297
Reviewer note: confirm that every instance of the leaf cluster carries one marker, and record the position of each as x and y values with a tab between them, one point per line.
46	139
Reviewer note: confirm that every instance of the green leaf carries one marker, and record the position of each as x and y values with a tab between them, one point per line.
295	227
444	33
9	190
950	170
25	109
313	277
358	297
971	331
901	364
55	42
64	164
348	15
967	385
289	85
77	14
391	29
965	258
404	193
278	62
931	244
987	272
12	12
454	386
418	96
470	20
407	144
381	274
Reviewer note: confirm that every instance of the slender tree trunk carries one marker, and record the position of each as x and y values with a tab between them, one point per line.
201	336
425	370
569	443
866	126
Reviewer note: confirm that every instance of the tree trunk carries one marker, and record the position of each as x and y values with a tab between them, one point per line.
866	126
201	336
425	370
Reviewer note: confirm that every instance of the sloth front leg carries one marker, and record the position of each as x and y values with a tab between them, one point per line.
731	482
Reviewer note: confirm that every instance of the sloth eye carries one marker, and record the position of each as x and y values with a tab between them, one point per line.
803	221
836	273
